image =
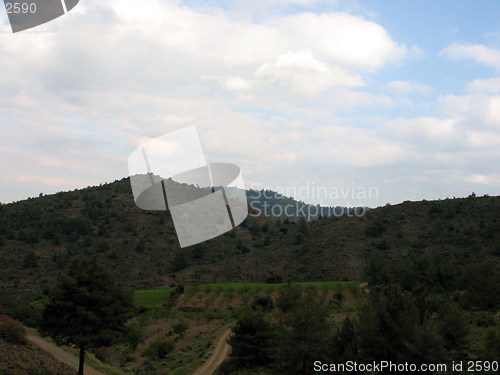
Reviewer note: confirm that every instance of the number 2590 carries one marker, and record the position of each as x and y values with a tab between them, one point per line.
18	8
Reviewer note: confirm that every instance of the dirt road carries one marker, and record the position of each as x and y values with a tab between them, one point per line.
60	354
222	350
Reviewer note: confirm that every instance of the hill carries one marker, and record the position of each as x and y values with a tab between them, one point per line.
40	237
271	203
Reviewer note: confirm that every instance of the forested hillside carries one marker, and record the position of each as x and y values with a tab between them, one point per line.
43	236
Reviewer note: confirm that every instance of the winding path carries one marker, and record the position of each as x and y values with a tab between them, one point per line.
221	352
60	354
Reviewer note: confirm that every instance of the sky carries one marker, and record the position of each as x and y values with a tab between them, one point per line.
336	102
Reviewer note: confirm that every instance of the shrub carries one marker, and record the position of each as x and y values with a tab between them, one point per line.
28	236
180	327
134	336
179	289
491	342
12	331
263	302
30	260
141	246
274	278
382	245
159	349
375	230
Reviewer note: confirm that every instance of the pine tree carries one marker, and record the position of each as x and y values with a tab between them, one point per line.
86	308
304	335
252	340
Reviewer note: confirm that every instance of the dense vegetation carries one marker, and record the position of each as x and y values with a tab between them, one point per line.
422	325
431	267
42	236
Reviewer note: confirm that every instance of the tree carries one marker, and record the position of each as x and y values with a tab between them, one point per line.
180	327
289	297
263	302
179	262
453	325
344	343
87	308
491	342
304	334
389	327
252	340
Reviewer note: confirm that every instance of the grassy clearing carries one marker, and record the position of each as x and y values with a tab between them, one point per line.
156	297
152	298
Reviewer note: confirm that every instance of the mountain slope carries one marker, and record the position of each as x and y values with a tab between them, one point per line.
40	237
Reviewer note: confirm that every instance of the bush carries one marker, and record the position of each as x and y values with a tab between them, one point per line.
491	342
274	278
30	260
12	331
338	300
28	236
180	327
375	230
159	349
263	302
134	336
179	289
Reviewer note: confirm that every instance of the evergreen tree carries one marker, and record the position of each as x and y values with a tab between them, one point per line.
289	297
252	340
304	335
387	325
86	308
179	262
345	344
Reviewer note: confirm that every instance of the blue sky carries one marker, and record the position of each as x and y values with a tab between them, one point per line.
402	96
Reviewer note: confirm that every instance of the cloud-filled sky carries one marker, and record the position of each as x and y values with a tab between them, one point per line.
304	95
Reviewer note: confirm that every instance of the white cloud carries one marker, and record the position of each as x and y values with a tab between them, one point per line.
343	39
355	147
302	73
79	93
483	179
479	53
231	83
408	87
426	129
476	111
488	86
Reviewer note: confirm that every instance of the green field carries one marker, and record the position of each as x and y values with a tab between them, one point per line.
157	297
